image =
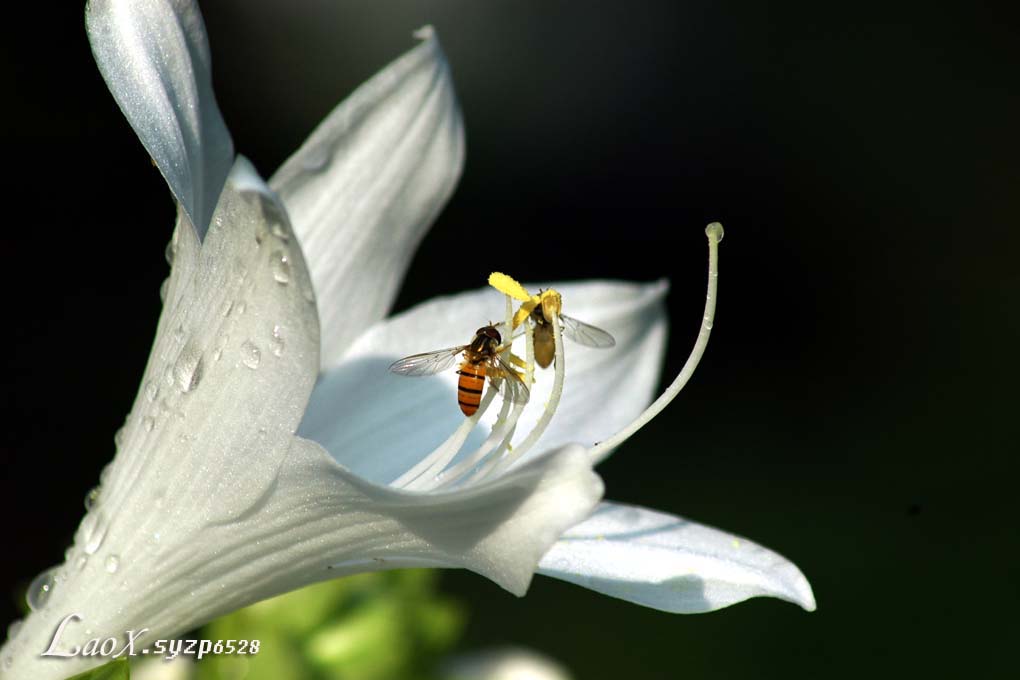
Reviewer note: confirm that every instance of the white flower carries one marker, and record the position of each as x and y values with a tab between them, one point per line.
212	502
504	664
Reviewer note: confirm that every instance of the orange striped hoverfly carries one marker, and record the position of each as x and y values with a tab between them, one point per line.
481	359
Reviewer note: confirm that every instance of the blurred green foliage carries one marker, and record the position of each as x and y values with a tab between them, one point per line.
377	626
117	669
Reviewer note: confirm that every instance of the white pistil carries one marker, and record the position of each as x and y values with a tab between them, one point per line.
714	231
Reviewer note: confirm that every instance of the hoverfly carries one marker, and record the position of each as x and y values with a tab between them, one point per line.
578	331
481	359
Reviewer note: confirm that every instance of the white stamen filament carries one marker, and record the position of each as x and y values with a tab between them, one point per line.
421	475
431	472
505	430
714	231
499	464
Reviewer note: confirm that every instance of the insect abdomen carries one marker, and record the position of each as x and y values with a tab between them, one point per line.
470	387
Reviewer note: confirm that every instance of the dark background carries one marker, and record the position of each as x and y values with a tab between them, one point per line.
855	408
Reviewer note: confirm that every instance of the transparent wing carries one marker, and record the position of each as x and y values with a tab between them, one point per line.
428	363
507	337
586	334
506	380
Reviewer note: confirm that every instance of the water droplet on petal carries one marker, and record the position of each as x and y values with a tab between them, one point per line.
12	632
225	309
317	159
112	564
118	437
260	233
240	307
163	288
40	588
281	267
276	345
279	232
187	369
93	531
151	390
104	474
170	252
91	497
148	423
80	562
250	355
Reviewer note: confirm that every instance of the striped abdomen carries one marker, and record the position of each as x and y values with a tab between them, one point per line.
470	386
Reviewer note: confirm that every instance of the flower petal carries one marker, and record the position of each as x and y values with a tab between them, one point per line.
669	563
227	382
368	183
155	58
392	421
504	664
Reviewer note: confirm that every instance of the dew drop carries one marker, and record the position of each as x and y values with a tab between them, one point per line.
170	252
240	307
112	564
91	497
276	345
250	355
279	231
179	334
93	531
118	437
151	390
317	160
40	588
104	474
12	632
260	233
225	309
187	370
148	423
281	267
163	288
81	562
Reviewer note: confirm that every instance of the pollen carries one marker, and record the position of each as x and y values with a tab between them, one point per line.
508	286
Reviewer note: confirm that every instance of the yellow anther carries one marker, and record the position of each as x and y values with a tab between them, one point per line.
552	303
508	286
524	311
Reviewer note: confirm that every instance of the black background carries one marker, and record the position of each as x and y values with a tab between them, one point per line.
855	409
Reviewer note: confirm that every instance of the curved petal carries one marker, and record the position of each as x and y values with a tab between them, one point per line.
392	421
225	387
155	58
367	184
669	563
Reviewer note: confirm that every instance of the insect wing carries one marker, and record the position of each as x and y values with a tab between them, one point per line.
506	380
586	334
507	337
428	363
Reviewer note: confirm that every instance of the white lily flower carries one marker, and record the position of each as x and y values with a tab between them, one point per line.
504	664
213	502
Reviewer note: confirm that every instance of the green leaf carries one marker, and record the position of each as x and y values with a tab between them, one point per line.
118	669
